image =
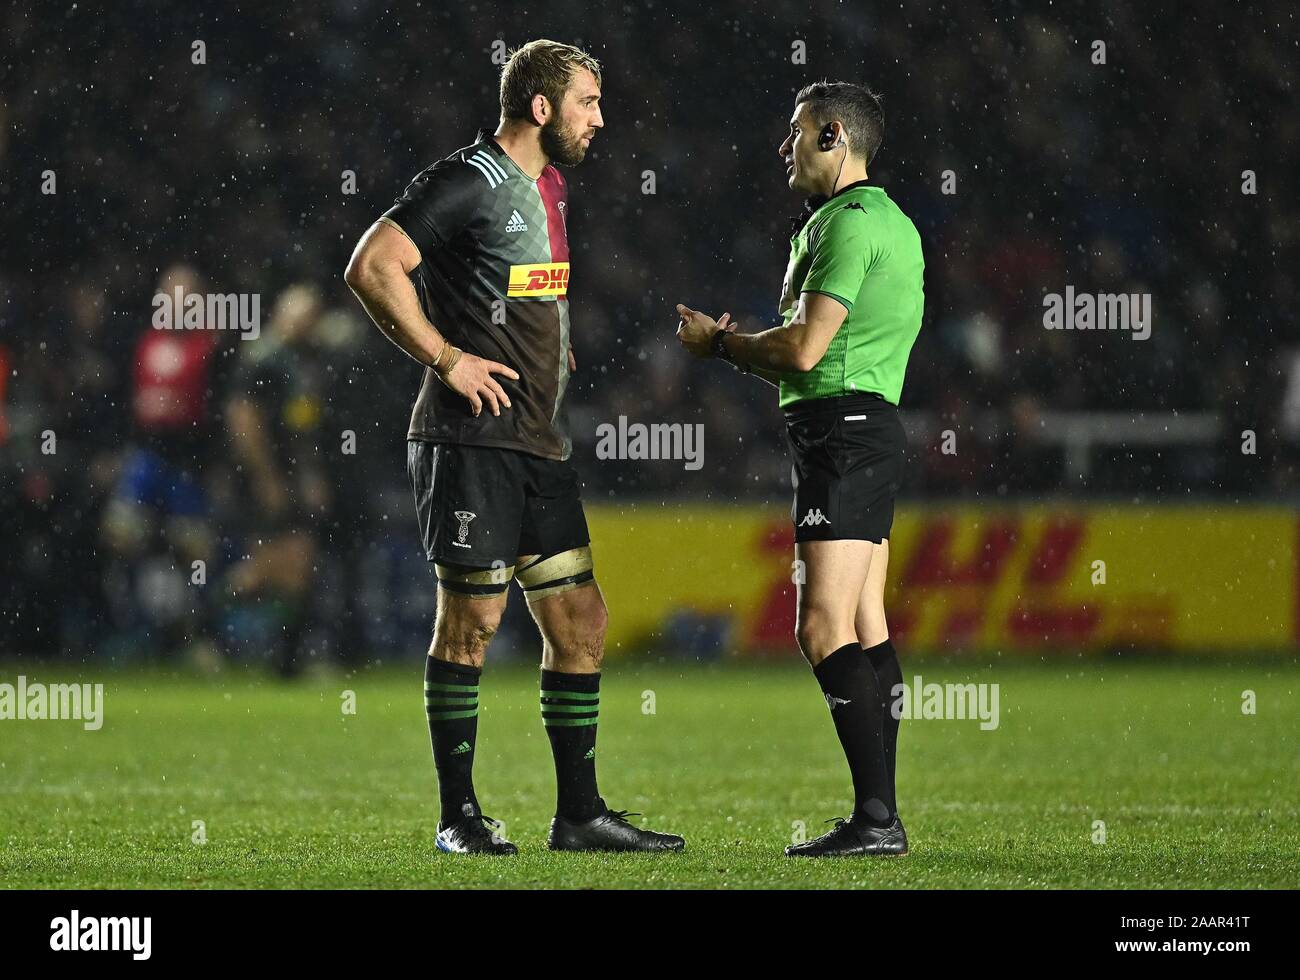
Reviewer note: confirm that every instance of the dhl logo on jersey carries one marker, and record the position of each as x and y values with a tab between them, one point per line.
539	279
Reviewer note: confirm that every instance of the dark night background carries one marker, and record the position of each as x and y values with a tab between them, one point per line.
1125	177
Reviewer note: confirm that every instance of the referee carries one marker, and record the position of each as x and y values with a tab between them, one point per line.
850	308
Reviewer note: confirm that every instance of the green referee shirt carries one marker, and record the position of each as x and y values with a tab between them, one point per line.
860	249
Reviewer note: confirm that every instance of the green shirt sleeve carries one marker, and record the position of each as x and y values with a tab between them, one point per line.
842	252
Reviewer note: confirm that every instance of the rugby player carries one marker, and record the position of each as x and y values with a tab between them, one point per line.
468	274
851	309
275	414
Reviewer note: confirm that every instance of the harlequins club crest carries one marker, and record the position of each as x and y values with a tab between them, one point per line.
464	516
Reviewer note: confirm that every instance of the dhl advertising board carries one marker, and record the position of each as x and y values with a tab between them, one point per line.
1043	578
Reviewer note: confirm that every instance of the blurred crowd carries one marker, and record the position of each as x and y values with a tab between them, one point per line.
244	152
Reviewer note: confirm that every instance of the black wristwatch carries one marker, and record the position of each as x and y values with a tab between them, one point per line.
718	348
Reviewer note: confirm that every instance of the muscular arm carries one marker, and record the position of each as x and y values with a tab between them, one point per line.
379	274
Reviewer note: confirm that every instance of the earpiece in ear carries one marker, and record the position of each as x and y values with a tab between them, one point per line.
826	139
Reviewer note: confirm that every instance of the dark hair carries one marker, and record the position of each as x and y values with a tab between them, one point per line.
855	106
540	67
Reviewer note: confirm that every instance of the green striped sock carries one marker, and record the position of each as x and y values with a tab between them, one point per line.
570	710
451	706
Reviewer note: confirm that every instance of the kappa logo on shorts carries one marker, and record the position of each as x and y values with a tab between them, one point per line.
813	518
833	702
464	516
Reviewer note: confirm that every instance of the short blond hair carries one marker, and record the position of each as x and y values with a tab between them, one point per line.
540	68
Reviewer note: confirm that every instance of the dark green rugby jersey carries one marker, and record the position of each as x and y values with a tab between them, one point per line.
493	278
861	250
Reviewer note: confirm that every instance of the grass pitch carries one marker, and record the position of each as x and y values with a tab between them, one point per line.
292	792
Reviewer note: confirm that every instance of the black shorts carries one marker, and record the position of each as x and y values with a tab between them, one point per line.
481	507
849	454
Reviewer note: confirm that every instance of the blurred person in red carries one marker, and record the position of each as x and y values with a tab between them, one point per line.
156	525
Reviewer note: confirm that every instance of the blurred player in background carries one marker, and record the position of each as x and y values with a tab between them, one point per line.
157	522
851	309
274	417
468	274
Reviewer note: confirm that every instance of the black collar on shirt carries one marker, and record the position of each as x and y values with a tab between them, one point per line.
848	187
811	204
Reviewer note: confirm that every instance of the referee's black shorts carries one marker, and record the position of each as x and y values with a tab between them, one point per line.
849	453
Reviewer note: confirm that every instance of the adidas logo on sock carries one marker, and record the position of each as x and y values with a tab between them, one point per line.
591	754
461	749
516	222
